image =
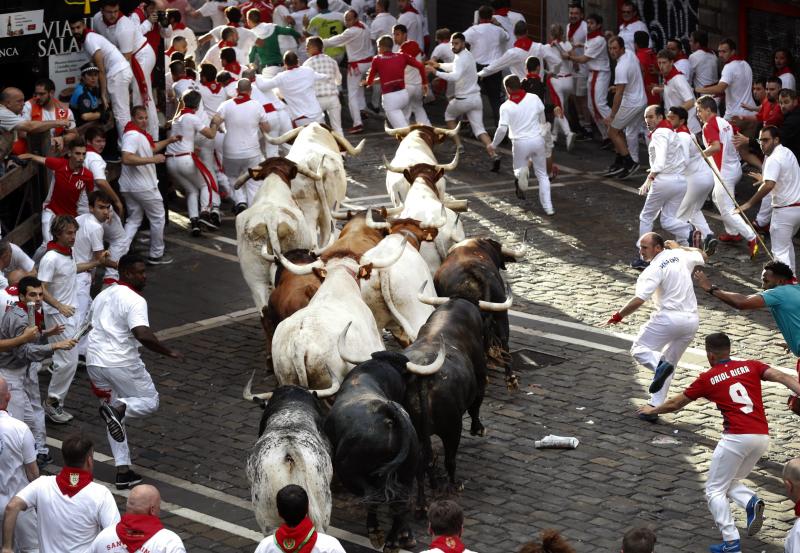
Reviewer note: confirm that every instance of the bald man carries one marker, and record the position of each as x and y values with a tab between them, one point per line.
17	468
12	100
791	479
140	528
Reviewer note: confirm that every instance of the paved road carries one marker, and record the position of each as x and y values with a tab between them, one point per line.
576	380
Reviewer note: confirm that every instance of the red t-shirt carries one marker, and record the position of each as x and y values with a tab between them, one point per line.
391	68
649	63
735	386
770	114
68	185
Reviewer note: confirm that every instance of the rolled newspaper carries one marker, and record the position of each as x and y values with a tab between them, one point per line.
31	308
556	442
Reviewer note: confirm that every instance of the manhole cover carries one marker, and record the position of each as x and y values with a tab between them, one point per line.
532	359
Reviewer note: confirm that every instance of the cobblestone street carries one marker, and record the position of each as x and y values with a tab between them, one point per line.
576	379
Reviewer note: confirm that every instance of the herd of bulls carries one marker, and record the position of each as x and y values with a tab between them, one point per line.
344	404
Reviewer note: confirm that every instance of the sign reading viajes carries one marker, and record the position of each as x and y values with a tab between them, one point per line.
668	19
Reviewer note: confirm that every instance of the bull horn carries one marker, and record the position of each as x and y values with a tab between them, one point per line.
390	260
346	146
457	205
430	300
266	255
450	166
300	269
339	215
391	168
341	346
307	172
516	254
394	210
243	178
284	138
402	131
348	205
426	370
249	396
491	306
331	240
372	224
450	132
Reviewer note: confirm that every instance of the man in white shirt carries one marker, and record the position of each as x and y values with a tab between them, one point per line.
139	184
626	112
297	87
327	90
119	377
676	90
115	71
560	80
736	81
358	46
177	28
245	120
577	31
781	177
595	58
383	21
445	525
514	58
70	507
140	528
631	23
297	528
719	147
522	117
413	80
791	480
127	36
662	341
45	107
704	63
681	62
12	258
486	40
412	20
17	468
214	10
665	185
229	39
58	272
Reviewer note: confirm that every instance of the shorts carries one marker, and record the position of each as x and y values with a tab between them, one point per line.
626	116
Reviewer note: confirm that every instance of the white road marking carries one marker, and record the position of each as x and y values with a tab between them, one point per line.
206	324
199	248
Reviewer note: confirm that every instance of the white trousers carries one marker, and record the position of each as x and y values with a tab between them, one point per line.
147	202
119	92
698	187
765	210
524	150
222	178
234	167
84	286
784	225
472	107
597	83
560	90
333	108
132	386
666	335
394	106
355	92
114	234
26	403
147	59
665	196
26	536
183	171
414	106
733	459
65	362
734	223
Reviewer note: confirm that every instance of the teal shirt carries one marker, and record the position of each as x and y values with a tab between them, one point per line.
784	303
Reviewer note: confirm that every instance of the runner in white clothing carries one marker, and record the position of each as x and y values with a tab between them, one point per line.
595	59
791	480
71	508
676	90
522	116
327	91
140	528
736	81
667	280
359	48
681	62
577	31
446	524
631	24
704	62
514	58
297	86
781	177
560	80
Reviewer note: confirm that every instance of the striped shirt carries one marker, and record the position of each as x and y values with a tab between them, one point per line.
325	65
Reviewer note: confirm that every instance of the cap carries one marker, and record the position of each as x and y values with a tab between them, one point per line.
88	67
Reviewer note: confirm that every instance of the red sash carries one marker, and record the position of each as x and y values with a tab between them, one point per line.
71	480
131	126
135	530
138	74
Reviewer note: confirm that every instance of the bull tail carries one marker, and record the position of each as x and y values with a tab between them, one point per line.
393	490
327	218
386	292
300	366
272	236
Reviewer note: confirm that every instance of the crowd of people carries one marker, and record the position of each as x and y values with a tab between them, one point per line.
267	67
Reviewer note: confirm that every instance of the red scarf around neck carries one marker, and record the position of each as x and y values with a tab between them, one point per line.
63	250
595	34
241	98
683	128
502	11
735	57
178	26
783	71
572	28
680	56
135	530
663	124
448	544
300	539
126	285
187	110
90	148
516	96
214	86
533	76
169	51
234	67
524	43
634	19
39	317
226	44
674	71
131	126
359	25
797	509
71	480
410	8
232	24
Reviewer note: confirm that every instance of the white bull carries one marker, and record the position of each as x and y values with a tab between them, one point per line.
316	147
274	223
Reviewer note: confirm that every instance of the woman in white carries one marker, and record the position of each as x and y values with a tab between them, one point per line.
560	80
186	168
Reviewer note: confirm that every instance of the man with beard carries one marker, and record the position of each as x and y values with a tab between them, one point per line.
45	107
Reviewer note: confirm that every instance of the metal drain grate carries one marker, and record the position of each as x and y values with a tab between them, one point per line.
532	359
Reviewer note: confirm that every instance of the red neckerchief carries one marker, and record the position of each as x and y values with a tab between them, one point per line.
39	317
234	67
683	128
359	25
797	509
663	124
410	8
214	87
135	530
448	544
90	148
178	26
734	58
71	480
786	69
226	44
516	96
707	50
126	285
482	21
169	51
502	11
572	28
533	76
674	71
524	43
680	56
595	34
131	126
63	250
241	98
232	24
633	20
187	110
300	539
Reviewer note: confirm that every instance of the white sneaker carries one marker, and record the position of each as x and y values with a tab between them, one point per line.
549	210
55	412
570	141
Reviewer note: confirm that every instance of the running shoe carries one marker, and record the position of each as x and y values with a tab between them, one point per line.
755	515
113	420
127	480
163	260
663	371
752	247
734	546
710	245
55	412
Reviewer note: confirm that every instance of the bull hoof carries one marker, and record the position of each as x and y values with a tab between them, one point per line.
407	540
512	382
391	548
477	429
376	537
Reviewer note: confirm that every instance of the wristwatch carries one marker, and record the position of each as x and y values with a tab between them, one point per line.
713	288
